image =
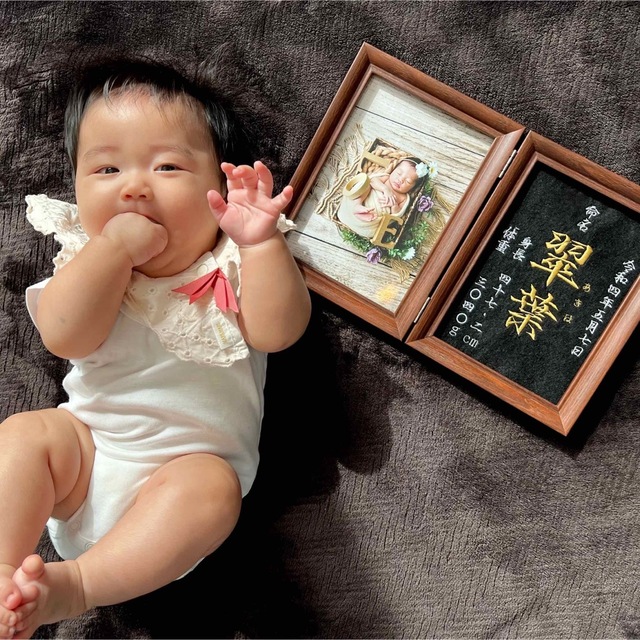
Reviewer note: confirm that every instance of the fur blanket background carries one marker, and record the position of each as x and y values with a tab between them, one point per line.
399	501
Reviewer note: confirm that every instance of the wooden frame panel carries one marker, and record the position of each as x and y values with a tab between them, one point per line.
398	110
610	336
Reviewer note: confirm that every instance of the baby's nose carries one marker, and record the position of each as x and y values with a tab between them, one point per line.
137	194
137	188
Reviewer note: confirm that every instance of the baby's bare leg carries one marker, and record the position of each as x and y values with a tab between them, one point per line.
45	464
183	513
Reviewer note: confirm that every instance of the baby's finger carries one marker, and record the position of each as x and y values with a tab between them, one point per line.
233	180
250	182
217	204
283	198
227	168
247	175
265	179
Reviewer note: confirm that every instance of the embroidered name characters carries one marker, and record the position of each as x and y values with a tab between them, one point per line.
564	257
530	307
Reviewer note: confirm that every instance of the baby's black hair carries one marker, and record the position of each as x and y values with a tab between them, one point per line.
229	139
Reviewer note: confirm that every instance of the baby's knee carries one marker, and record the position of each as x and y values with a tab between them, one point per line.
220	501
46	430
211	482
203	486
27	427
221	483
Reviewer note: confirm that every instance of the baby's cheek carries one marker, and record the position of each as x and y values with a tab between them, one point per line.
89	226
94	225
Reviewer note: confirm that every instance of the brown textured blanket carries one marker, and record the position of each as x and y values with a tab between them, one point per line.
393	499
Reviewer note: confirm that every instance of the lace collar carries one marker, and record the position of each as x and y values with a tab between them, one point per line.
199	332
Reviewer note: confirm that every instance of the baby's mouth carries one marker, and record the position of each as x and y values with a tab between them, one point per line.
144	215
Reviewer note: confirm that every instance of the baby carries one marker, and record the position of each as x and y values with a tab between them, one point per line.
388	194
141	473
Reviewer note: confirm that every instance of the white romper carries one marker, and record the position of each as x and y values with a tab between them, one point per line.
172	378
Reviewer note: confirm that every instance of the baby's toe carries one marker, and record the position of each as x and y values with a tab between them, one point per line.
23	613
30	593
10	596
7	617
6	631
32	568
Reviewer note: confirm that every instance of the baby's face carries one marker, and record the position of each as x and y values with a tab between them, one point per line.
403	178
156	160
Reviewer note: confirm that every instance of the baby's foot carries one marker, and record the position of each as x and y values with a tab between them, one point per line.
10	598
50	592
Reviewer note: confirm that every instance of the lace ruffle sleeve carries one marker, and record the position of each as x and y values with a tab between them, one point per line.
49	216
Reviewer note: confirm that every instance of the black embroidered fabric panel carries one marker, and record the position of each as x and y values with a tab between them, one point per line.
548	283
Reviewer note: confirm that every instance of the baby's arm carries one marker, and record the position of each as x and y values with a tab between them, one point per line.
386	195
79	305
274	304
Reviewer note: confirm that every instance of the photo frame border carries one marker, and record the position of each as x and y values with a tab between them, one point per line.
560	416
506	134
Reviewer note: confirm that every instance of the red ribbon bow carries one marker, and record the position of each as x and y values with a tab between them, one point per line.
222	290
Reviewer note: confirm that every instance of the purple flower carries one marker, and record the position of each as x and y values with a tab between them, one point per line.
424	204
374	255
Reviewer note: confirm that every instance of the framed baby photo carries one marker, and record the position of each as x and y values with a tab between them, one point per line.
390	184
544	292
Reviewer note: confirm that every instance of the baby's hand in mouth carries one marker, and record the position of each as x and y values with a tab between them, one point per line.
141	237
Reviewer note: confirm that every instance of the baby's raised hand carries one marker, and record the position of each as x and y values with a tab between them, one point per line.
140	238
250	214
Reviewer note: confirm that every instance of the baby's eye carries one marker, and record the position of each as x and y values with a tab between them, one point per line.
108	170
167	167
